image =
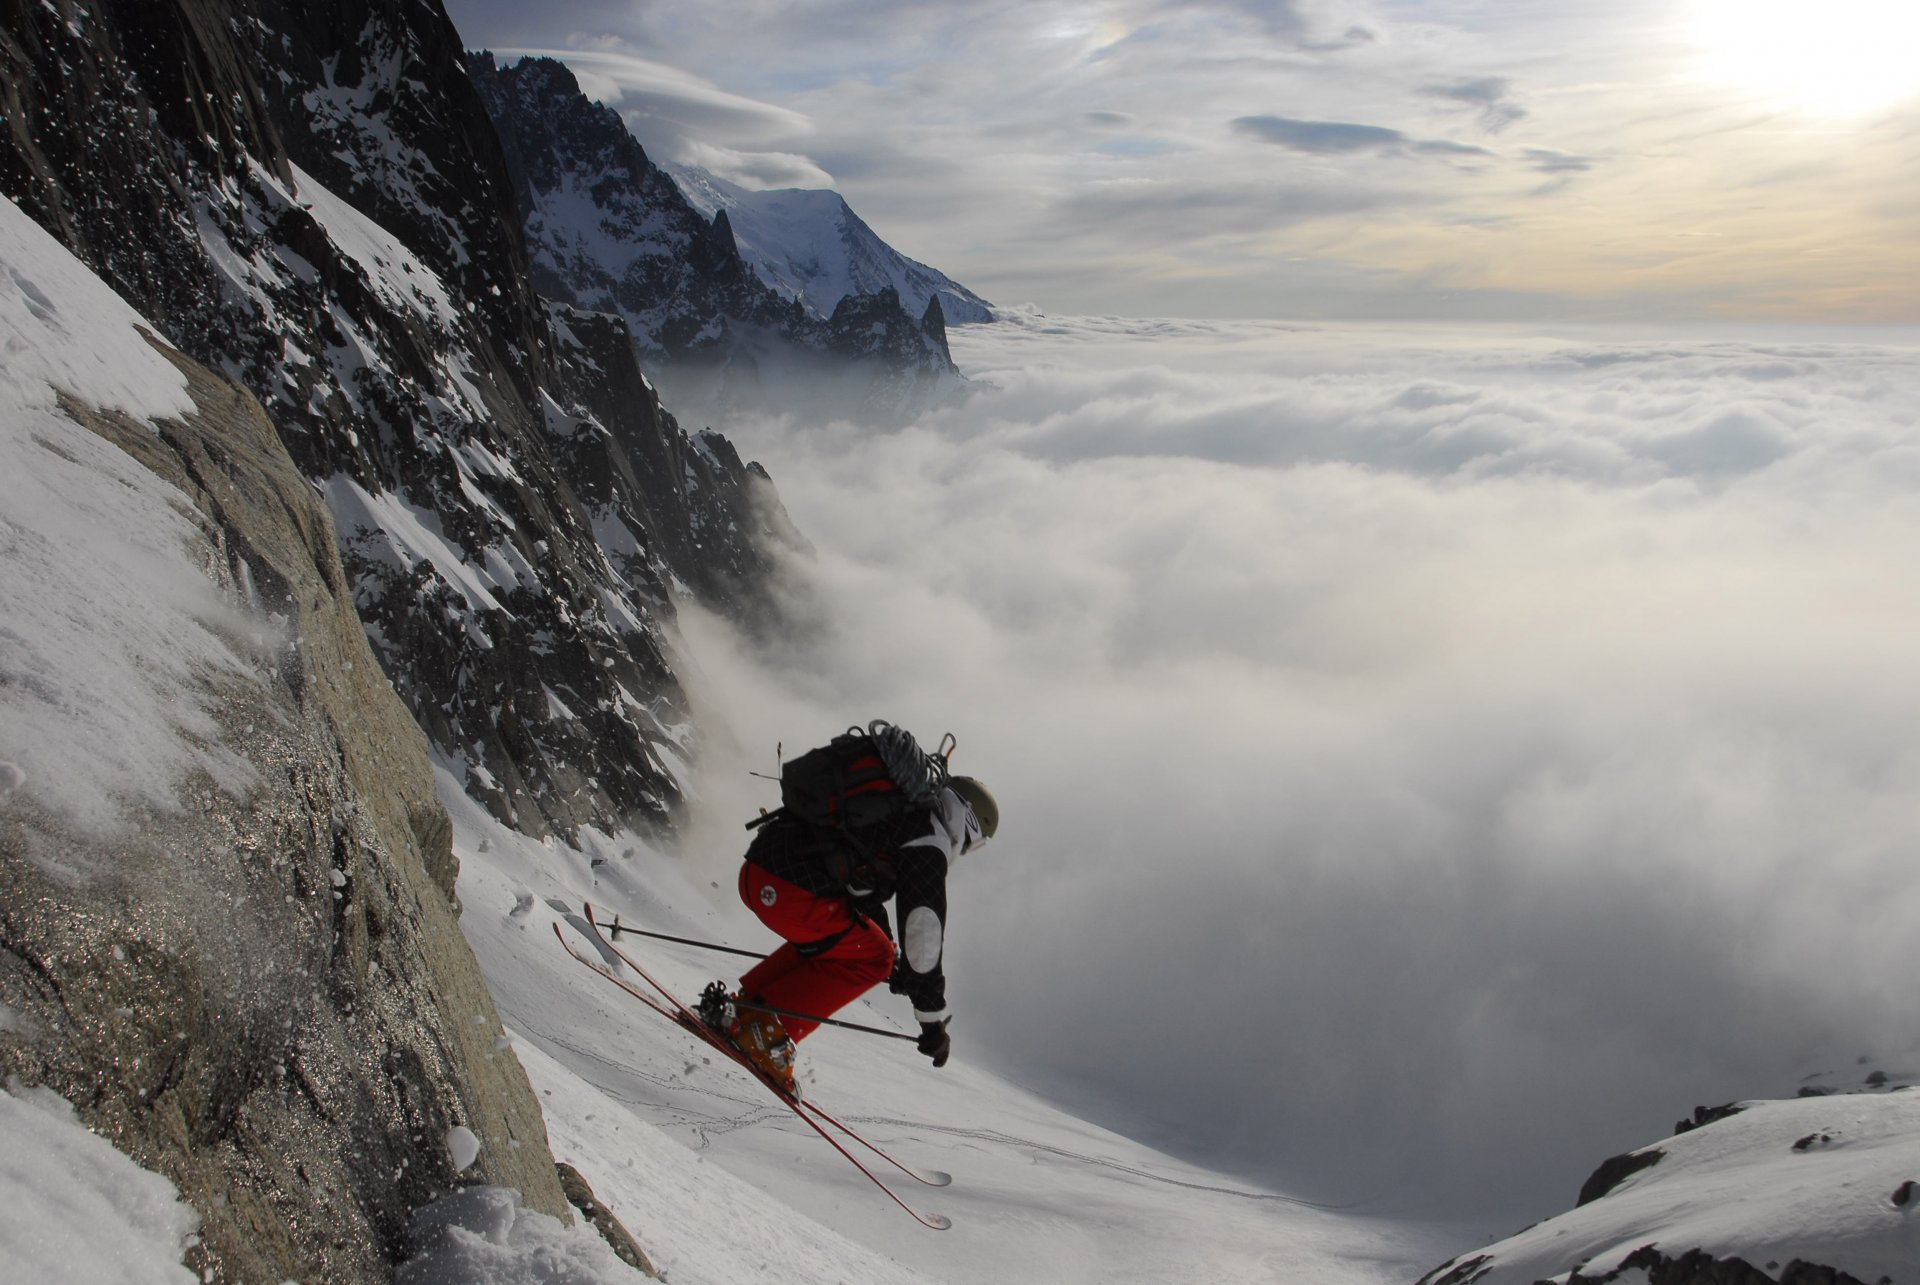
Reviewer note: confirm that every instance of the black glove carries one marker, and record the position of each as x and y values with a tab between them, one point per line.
897	980
935	1042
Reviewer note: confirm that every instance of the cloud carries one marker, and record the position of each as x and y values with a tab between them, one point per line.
684	117
756	169
1339	138
1548	161
1489	95
636	84
1430	762
1322	138
1296	24
1192	213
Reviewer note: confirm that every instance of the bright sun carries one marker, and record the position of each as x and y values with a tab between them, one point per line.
1828	57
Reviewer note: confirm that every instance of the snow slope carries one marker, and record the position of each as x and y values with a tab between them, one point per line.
107	616
808	243
1832	1180
74	1211
720	1184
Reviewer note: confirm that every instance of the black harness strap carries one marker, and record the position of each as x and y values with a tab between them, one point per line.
810	950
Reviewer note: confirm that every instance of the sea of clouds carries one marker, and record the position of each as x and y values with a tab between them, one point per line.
1431	761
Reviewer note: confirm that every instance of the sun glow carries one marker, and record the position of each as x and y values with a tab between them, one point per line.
1832	58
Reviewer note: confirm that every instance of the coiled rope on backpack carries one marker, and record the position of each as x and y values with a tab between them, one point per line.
919	775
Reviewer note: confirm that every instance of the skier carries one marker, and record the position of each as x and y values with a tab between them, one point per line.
825	890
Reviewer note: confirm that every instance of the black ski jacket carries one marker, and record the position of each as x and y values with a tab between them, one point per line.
905	861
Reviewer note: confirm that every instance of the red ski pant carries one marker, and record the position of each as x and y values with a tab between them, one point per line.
820	983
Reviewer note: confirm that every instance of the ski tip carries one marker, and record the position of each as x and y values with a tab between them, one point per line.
939	1222
936	1178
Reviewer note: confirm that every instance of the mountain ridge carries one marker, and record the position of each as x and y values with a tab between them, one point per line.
810	244
609	230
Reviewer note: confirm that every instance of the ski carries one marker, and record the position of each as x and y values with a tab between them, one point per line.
931	1177
691	1019
670	1006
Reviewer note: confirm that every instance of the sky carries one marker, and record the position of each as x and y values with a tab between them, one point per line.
1360	159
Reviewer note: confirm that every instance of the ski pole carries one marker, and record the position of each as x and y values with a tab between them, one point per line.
825	1021
616	928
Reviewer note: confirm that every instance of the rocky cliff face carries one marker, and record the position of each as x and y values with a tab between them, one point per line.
312	199
610	230
262	991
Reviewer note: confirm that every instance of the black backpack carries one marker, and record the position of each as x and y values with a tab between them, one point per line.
860	780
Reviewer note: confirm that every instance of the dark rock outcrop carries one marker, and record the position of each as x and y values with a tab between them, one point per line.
1648	1266
1704	1116
1615	1170
603	1220
265	995
1697	1267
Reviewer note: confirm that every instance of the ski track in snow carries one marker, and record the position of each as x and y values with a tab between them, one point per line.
1081	1157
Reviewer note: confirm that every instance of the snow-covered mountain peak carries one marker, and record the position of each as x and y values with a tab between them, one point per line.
808	244
608	229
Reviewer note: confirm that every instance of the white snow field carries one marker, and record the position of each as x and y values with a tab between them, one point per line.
1827	1180
721	1185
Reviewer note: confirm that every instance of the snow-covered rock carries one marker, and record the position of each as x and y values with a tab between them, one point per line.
1817	1190
809	244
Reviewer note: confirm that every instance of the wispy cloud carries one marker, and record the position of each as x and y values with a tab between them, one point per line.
1337	138
1490	96
1303	26
1193	212
645	84
690	119
1548	161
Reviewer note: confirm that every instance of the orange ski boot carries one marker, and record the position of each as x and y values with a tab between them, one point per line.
759	1035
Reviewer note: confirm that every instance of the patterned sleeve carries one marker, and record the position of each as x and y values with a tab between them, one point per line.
921	898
